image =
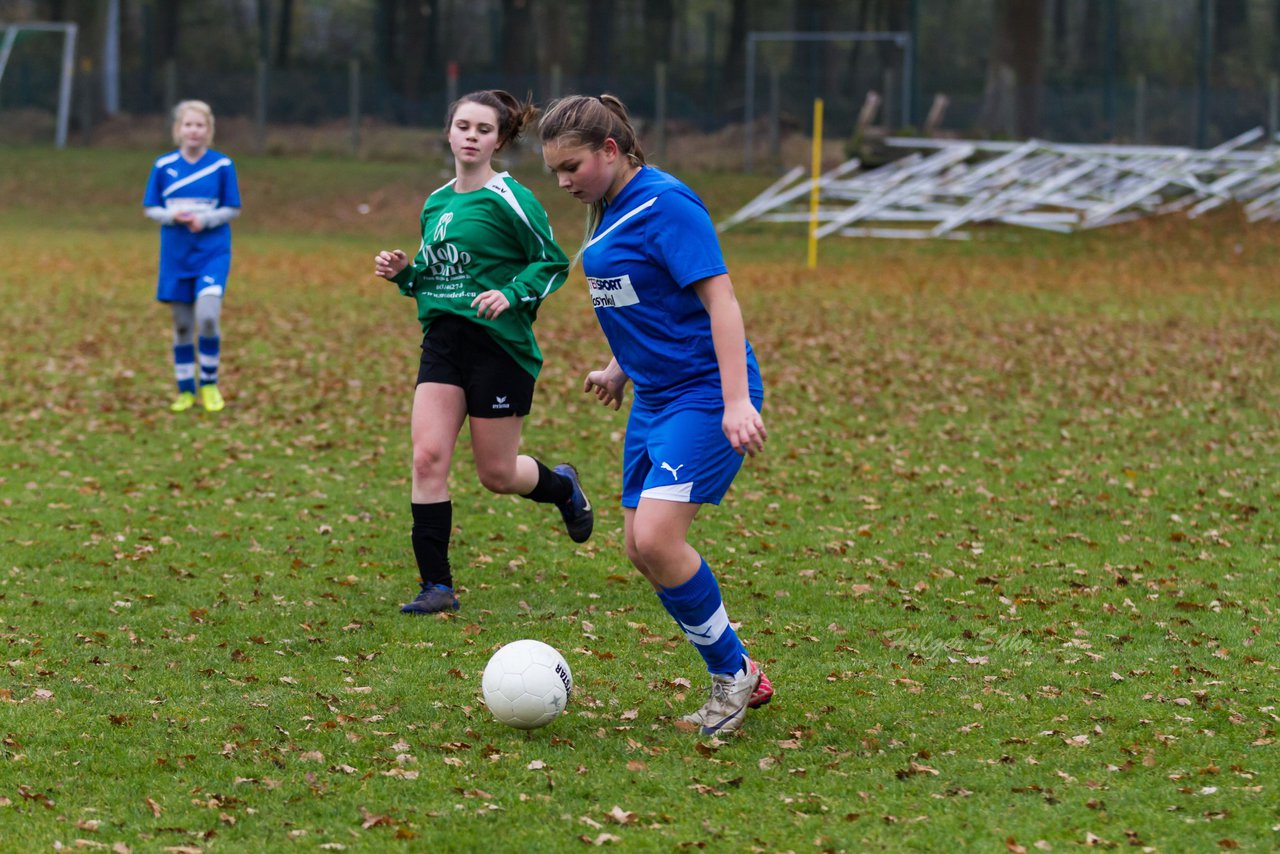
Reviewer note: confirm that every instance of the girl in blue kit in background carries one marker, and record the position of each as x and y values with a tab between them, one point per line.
193	194
663	297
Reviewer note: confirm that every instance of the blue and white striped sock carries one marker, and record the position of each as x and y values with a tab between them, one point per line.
184	367
699	611
209	360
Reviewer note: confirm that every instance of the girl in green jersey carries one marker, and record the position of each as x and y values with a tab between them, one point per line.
486	262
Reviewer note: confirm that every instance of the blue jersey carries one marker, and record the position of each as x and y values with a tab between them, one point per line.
178	185
654	241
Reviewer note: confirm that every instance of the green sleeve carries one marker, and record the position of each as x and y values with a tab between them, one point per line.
548	265
408	277
405	279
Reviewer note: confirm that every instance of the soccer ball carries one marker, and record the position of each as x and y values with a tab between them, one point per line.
526	684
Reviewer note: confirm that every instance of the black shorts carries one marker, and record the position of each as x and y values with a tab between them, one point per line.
458	352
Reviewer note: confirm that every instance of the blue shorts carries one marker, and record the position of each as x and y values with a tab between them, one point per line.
212	279
678	453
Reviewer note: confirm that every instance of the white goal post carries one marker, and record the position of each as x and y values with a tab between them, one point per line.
68	31
900	38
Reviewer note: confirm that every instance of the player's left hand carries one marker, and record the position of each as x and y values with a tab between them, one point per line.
191	220
744	428
490	304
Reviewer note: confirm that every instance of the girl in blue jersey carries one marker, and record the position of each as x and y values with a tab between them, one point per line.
663	297
193	194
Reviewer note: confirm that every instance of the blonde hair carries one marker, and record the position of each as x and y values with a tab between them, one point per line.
587	121
513	115
185	106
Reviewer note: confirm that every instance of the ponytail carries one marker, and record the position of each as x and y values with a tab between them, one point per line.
513	114
589	120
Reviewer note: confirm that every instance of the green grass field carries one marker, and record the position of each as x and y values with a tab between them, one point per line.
1011	557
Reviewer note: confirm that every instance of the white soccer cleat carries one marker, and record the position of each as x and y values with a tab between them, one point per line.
731	696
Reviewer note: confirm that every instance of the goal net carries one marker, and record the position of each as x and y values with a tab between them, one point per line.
36	67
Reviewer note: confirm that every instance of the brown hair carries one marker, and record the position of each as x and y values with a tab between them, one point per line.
193	106
513	115
589	120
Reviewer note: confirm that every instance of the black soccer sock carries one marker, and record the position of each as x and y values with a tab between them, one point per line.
432	525
552	488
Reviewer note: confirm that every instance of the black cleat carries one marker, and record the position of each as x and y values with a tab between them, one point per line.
578	517
432	599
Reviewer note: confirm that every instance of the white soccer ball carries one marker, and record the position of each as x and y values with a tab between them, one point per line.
526	684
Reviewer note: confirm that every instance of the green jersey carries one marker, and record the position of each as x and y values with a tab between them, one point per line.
494	238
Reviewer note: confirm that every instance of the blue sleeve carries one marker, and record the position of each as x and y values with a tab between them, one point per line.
683	239
153	197
230	188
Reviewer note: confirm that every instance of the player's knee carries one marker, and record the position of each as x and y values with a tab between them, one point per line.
209	327
633	555
499	479
651	547
429	464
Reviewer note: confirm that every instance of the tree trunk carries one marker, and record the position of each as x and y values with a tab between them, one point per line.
416	54
1027	29
551	41
167	31
1060	38
659	26
892	17
1089	59
1230	27
1011	102
517	21
1232	42
284	34
597	57
855	50
735	58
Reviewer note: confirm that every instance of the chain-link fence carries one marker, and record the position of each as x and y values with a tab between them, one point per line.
1141	75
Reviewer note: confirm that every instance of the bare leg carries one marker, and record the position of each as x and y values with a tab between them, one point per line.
438	412
494	443
655	534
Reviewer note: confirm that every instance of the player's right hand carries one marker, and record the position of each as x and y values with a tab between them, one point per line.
607	385
388	263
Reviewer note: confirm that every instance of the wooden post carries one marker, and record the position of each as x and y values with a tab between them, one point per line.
170	83
86	99
660	111
775	110
353	73
260	106
1273	110
1140	109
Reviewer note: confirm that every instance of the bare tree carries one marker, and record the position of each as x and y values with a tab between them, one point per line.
517	45
162	50
405	49
1011	100
1026	26
1230	25
1089	56
659	26
598	55
735	58
551	44
1060	40
284	34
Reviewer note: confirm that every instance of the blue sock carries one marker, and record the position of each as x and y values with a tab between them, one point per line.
209	360
698	610
184	367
